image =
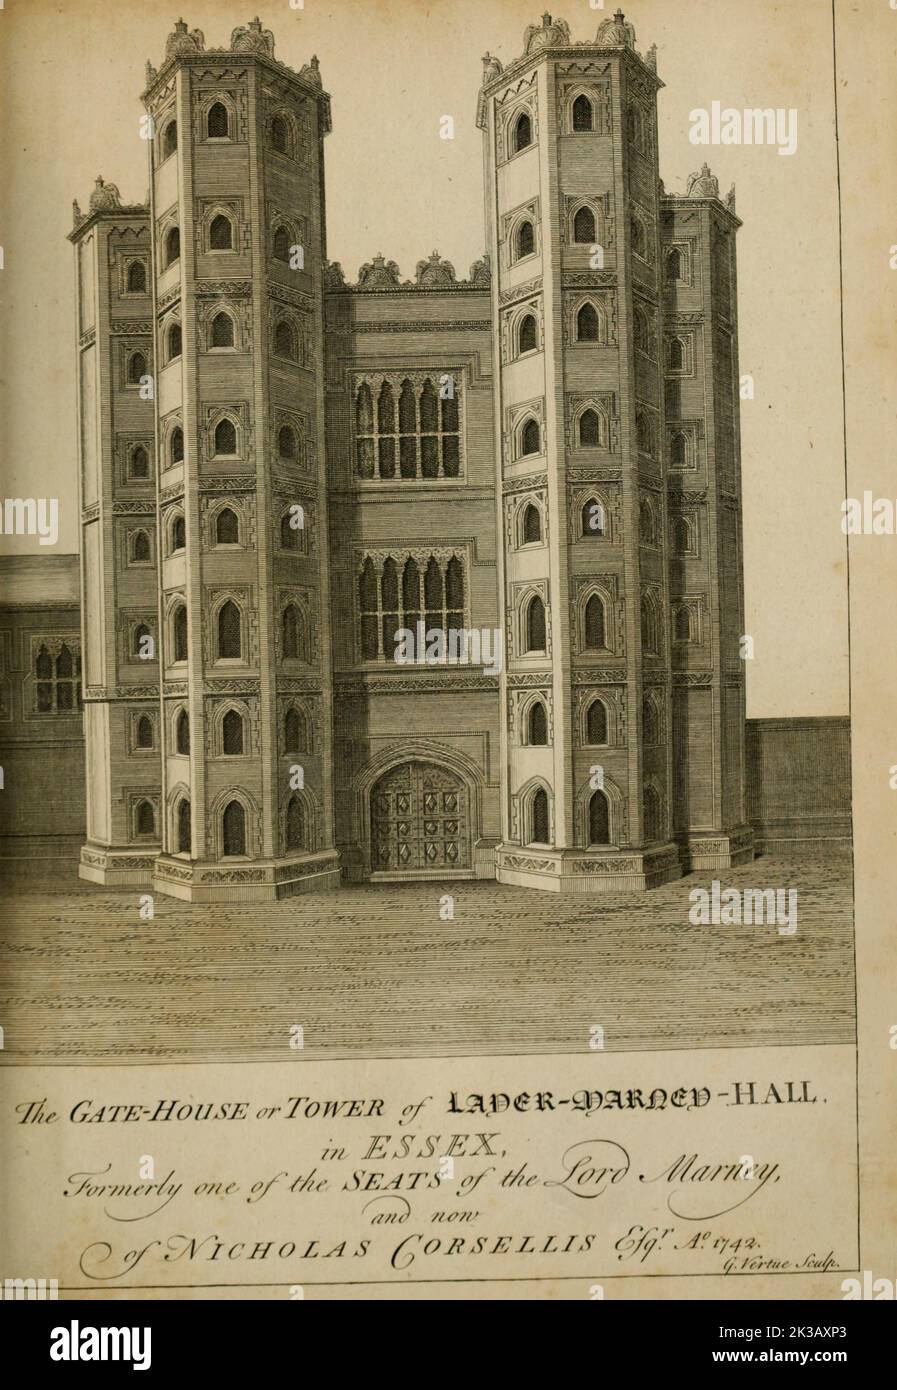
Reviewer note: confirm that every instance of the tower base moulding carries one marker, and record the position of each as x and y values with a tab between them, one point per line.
718	849
256	881
117	868
587	871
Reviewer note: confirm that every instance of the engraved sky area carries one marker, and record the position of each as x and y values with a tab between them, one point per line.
72	78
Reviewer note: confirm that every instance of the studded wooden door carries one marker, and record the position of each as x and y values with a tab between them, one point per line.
420	819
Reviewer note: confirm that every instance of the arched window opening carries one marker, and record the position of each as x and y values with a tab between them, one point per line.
233	827
141	632
530	439
280	135
172	246
137	278
599	819
146	818
367	602
285	340
222	331
177	445
525	240
681	536
174	341
64	664
676	355
588	324
184	837
291	632
230	636
523	132
527	338
225	437
596	723
650	640
139	462
182	733
286	442
674	264
169	139
144	732
538	725
289	534
221	233
584	226
140	551
535	625
683	625
227	527
178	534
282	244
540	823
217	122
136	368
295	731
594	520
180	633
532	524
583	117
650	722
679	451
408	429
232	732
591	430
44	672
59	682
296	837
594	625
646	523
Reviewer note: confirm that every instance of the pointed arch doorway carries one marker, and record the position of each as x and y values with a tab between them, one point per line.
420	821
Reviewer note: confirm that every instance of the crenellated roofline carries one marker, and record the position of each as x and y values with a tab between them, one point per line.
249	43
551	39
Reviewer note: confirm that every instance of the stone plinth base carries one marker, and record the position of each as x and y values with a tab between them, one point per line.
587	871
717	849
258	881
117	868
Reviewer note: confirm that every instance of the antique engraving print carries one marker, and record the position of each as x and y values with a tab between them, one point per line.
436	653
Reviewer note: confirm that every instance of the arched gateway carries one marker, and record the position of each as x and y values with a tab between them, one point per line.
420	820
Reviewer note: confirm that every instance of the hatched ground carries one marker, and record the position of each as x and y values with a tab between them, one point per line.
372	971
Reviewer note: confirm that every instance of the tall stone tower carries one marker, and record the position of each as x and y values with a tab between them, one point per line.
704	490
117	498
237	212
207	575
574	215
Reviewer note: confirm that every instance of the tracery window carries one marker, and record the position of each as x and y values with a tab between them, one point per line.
57	672
401	591
408	428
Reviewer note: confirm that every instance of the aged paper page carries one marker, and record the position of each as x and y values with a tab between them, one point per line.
447	708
